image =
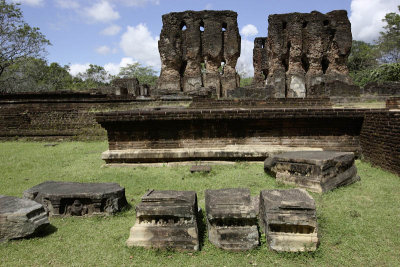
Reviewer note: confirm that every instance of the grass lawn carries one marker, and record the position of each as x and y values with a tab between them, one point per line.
358	225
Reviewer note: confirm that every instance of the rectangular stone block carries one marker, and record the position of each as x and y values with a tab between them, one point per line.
231	219
289	220
317	171
166	219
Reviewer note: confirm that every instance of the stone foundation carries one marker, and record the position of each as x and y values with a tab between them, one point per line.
231	219
289	220
317	171
166	219
77	199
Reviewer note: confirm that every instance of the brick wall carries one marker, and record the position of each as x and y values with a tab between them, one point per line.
58	115
380	139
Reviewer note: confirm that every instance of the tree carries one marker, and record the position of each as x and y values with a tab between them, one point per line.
389	40
363	56
93	77
18	40
145	74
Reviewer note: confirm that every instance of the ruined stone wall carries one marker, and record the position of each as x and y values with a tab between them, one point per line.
57	115
306	54
199	49
380	139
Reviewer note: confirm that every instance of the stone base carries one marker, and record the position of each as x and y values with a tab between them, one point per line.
289	220
179	237
317	171
77	199
233	152
166	219
20	217
232	219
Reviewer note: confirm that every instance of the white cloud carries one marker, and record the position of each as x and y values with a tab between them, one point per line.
114	68
249	30
245	61
74	69
366	17
111	30
138	2
102	11
209	6
67	4
29	2
103	50
138	43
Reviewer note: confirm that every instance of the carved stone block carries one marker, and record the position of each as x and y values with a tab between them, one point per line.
77	199
20	217
232	219
289	220
200	168
317	171
166	219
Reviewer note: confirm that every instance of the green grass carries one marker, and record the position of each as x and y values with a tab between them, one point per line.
358	224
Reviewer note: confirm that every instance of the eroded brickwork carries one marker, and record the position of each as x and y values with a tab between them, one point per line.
199	49
380	139
306	54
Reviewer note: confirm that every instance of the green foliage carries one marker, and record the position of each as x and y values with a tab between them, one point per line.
246	81
389	40
382	73
93	77
357	224
145	74
33	74
18	40
363	56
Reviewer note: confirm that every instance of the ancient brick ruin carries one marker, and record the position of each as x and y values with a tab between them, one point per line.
304	55
199	49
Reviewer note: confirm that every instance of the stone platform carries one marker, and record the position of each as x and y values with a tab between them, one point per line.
77	199
166	219
20	217
289	220
317	171
185	134
231	219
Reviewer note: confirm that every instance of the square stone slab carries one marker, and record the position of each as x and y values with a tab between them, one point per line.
166	219
232	219
20	217
77	199
200	168
289	220
317	171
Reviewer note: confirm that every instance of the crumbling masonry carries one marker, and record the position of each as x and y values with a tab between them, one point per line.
305	54
199	49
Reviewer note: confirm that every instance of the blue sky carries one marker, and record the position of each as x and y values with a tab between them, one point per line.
113	33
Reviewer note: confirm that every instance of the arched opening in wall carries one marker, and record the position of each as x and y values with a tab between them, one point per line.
305	23
203	67
224	26
265	75
183	26
202	26
305	63
284	25
182	72
285	57
221	68
326	22
325	64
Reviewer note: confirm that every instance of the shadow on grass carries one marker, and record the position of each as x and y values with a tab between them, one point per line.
43	231
202	225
